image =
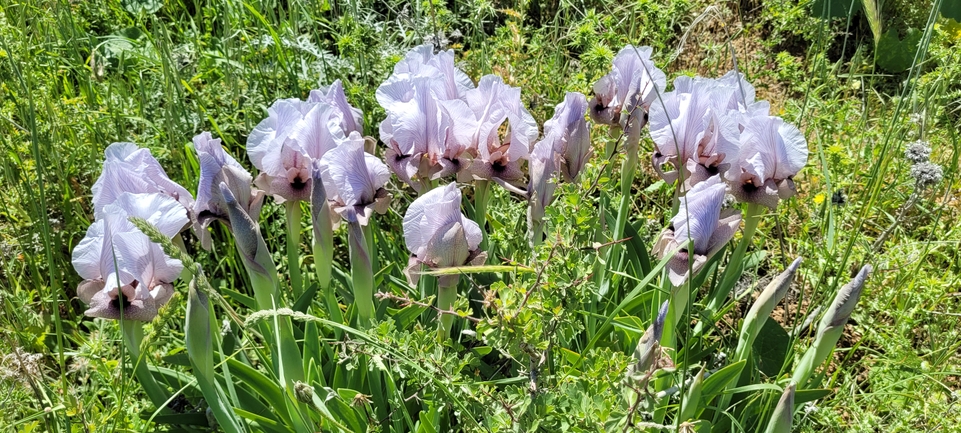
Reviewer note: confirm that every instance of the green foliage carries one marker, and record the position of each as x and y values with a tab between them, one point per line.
531	351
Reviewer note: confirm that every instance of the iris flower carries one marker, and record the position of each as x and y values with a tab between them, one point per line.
497	156
128	168
695	129
427	136
217	167
771	154
624	95
354	181
283	145
565	148
122	269
429	125
701	221
438	235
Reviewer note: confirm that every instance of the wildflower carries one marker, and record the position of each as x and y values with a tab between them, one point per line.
128	168
438	235
497	157
926	174
917	152
624	95
429	125
772	152
124	272
427	136
283	145
695	130
217	167
354	181
701	221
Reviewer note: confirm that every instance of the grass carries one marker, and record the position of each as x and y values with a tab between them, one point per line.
79	75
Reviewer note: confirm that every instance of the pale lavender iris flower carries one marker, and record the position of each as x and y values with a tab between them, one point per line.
695	130
217	167
565	149
497	152
427	136
624	95
128	168
429	125
701	221
121	268
283	145
438	235
354	181
772	152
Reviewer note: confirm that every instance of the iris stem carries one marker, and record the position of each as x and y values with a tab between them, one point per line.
481	197
361	274
132	337
293	247
446	295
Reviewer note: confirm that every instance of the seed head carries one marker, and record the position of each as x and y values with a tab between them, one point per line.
918	152
927	174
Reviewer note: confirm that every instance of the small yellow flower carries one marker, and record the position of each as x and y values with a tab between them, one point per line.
818	199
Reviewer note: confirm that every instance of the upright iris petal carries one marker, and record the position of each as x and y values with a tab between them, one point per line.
351	118
283	145
695	129
700	221
123	270
438	235
128	168
772	152
498	152
354	181
217	167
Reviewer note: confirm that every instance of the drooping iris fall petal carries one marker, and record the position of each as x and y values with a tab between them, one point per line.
700	221
122	269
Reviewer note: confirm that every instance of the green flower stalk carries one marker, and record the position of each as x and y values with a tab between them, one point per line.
831	327
287	360
481	199
361	273
293	247
782	418
756	318
322	223
132	338
200	351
